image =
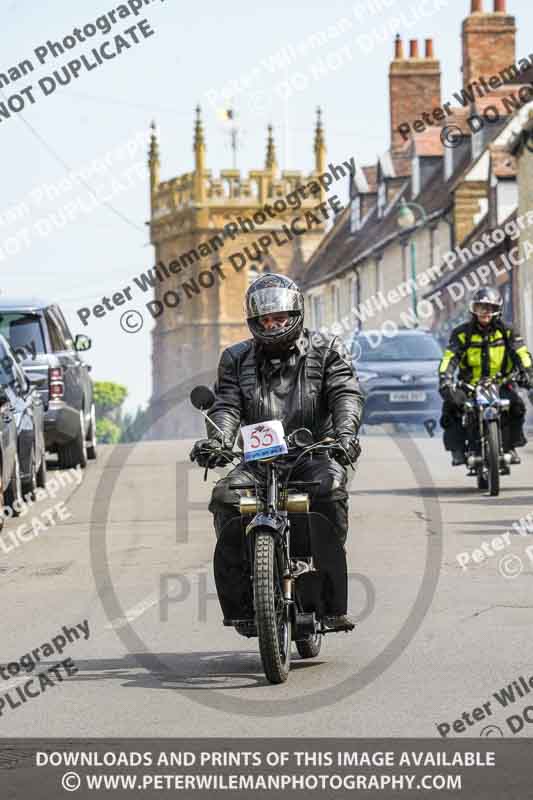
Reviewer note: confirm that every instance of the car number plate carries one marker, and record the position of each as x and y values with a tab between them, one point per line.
263	440
407	397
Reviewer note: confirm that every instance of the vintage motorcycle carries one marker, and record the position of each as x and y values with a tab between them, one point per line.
483	414
483	417
296	567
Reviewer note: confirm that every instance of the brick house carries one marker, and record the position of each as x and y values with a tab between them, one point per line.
520	146
368	272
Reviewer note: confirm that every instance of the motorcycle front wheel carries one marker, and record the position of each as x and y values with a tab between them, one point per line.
273	624
493	458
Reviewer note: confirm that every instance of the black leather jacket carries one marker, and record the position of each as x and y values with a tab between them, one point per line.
313	386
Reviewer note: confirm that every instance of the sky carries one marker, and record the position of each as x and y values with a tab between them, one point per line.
74	197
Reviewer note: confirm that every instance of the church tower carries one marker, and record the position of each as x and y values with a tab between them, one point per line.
205	231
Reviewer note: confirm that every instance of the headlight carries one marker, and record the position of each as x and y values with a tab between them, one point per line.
365	376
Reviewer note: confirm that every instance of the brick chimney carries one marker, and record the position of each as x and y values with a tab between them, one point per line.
414	83
489	40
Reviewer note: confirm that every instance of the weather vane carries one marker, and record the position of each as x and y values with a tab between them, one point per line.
228	117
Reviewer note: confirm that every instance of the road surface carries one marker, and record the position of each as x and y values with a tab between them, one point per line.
133	559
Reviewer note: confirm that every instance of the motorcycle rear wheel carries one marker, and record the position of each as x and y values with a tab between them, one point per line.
493	458
273	624
482	481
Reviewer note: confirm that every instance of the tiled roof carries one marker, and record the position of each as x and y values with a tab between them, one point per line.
448	276
343	249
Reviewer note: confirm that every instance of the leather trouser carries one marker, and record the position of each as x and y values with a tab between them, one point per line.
512	421
329	499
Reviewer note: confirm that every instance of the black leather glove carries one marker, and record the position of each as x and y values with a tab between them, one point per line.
446	390
525	380
348	452
206	453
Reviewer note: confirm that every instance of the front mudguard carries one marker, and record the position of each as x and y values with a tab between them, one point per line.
267	522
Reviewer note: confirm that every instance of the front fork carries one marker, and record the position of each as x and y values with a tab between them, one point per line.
281	537
483	426
283	546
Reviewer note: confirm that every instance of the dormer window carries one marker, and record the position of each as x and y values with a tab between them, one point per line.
382	198
355	216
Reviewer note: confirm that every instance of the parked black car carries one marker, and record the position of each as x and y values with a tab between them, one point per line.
22	446
50	356
398	375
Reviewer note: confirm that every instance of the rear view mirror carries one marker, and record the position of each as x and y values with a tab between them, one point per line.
81	343
202	398
430	425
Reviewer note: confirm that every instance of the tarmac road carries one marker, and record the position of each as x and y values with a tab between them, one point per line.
435	639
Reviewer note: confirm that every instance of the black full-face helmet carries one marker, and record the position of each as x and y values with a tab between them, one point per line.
487	299
272	294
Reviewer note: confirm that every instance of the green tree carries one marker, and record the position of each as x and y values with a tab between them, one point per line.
107	432
108	400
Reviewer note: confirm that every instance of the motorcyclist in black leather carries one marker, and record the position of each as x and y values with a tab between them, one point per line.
283	372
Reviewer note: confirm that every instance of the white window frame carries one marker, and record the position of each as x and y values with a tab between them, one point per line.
317	313
355	214
335	303
378	275
415	177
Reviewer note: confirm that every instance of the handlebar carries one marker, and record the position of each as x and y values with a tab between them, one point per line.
326	444
499	379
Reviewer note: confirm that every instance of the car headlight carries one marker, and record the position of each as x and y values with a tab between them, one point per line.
365	376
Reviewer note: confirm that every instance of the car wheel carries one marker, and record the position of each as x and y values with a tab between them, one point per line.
13	492
30	484
91	436
74	453
41	472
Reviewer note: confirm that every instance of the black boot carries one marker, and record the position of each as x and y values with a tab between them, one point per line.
515	458
342	622
458	458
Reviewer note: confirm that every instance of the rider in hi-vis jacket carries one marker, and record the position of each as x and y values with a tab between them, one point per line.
484	347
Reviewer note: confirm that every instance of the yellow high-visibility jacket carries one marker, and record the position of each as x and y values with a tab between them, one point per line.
480	353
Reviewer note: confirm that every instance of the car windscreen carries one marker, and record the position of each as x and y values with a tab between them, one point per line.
23	332
396	348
